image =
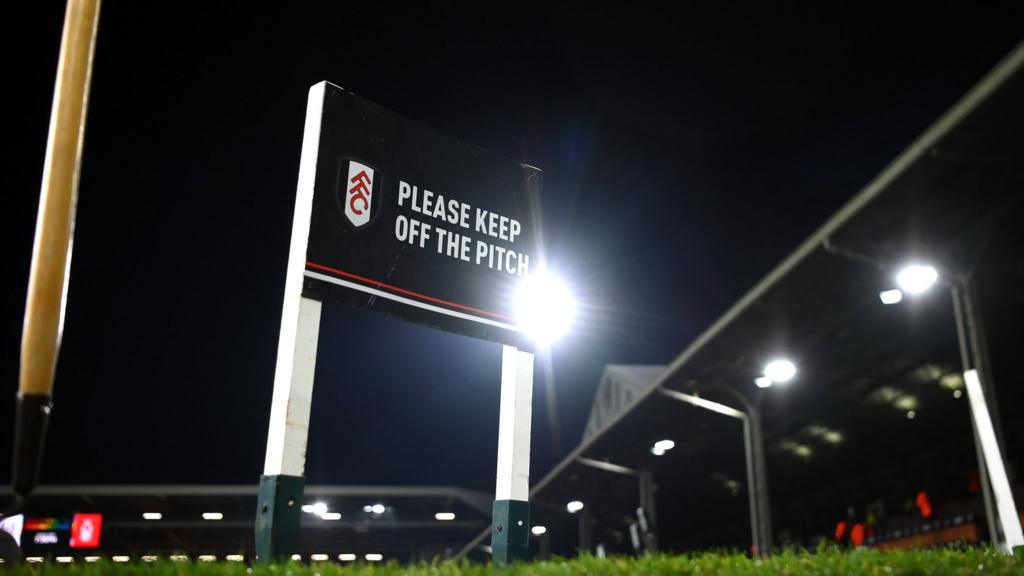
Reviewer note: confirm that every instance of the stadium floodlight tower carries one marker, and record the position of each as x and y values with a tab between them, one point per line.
545	310
916	279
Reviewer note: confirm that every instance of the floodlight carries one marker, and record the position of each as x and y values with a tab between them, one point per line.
152	516
763	382
320	508
374	557
544	307
916	278
319	557
444	516
213	516
894	296
377	508
538	530
662	446
780	370
347	557
330	516
574	506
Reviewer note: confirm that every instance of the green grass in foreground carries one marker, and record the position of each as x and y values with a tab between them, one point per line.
825	563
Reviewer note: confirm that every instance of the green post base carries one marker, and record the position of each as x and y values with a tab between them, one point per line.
278	513
510	531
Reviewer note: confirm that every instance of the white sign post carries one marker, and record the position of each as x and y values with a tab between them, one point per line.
510	523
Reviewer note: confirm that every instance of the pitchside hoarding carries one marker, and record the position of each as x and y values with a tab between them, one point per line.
415	224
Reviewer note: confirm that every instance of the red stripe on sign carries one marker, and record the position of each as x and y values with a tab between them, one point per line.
378	284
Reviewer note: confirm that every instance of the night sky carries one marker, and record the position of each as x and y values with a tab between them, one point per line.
684	153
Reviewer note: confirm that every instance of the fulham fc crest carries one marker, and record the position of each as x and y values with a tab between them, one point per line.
357	196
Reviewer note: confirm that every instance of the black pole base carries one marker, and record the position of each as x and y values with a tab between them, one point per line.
278	514
510	532
32	418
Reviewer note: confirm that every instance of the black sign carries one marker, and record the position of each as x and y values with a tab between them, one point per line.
415	224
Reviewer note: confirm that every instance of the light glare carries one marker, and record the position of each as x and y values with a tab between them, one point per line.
763	382
347	557
152	515
544	307
444	516
574	506
916	278
331	516
539	530
374	557
320	508
888	297
213	516
780	370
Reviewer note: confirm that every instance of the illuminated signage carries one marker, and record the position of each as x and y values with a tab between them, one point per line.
85	530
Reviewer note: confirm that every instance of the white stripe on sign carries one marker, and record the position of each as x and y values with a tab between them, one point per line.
409	301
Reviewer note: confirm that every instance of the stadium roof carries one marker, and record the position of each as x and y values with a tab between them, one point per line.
842	434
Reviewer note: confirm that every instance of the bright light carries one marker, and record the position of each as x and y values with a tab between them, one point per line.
894	296
212	516
662	446
538	530
307	508
150	558
780	370
207	558
38	559
544	307
374	557
331	516
574	506
65	559
916	278
235	558
377	508
319	557
178	558
911	415
957	393
121	558
763	382
347	557
297	557
92	559
444	516
152	515
320	508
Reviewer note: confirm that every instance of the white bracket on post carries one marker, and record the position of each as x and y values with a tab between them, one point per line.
1006	510
293	392
514	425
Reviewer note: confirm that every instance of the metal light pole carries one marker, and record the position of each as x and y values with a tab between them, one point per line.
646	496
753	451
1000	510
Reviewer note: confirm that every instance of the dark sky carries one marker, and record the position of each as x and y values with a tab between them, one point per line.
684	153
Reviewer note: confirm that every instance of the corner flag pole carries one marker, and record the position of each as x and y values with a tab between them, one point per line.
51	250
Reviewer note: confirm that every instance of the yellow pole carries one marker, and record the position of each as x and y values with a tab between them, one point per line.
51	251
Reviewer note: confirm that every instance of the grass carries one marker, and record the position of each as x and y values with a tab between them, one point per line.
978	562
